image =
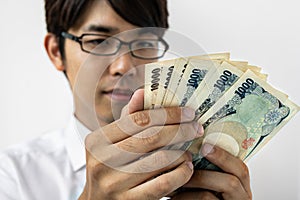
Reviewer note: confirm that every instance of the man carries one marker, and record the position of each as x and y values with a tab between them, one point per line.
55	166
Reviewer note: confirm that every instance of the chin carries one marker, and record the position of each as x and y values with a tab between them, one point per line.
108	114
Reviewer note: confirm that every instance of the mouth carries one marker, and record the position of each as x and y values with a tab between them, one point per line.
120	95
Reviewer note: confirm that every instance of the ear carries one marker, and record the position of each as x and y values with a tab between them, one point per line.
52	47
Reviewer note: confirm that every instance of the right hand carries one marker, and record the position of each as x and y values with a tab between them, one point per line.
125	159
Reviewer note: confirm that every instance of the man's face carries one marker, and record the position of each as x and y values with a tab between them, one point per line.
100	83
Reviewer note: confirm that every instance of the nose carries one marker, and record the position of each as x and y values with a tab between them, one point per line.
124	64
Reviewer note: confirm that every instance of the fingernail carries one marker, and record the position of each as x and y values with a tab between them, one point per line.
190	165
207	149
199	129
188	113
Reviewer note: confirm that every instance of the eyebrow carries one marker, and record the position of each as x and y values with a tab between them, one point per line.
101	28
114	30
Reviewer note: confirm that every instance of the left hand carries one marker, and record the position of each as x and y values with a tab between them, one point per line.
233	183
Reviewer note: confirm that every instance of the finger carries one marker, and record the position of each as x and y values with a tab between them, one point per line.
156	163
195	195
228	163
136	173
134	147
141	120
157	137
137	101
100	143
163	184
227	184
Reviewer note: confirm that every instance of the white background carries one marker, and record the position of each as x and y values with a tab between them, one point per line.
35	98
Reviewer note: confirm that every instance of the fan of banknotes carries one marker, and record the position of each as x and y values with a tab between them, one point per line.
238	109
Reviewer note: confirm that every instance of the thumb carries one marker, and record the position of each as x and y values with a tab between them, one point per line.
137	101
135	104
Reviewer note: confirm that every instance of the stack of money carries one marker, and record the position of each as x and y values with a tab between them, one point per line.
238	109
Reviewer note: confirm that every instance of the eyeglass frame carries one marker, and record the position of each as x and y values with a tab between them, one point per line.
78	39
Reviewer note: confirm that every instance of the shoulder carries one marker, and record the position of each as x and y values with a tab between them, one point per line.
49	143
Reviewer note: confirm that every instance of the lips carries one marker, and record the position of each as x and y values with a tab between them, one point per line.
122	95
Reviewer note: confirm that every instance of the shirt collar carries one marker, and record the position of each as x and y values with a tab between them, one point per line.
75	136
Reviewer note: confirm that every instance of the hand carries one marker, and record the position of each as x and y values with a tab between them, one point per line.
125	159
233	183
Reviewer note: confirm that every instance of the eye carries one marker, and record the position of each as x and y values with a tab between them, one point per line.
145	44
92	41
95	42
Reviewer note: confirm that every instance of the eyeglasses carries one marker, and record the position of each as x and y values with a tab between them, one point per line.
104	45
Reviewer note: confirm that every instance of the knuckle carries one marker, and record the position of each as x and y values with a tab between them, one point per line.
187	131
205	195
93	142
109	187
164	158
187	156
89	141
128	145
164	186
161	157
245	171
152	140
94	170
233	184
173	113
182	129
141	118
93	148
186	174
222	156
143	168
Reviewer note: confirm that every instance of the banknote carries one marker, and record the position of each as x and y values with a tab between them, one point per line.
217	84
238	109
192	77
245	118
152	81
166	74
157	76
215	56
208	93
168	71
161	83
179	70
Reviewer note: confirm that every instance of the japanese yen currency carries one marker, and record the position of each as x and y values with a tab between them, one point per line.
239	110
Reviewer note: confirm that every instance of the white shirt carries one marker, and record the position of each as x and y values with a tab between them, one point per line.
51	167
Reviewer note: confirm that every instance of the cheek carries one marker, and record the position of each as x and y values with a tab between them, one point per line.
73	63
74	60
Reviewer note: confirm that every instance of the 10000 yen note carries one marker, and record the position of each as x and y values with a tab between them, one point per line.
157	78
176	77
166	74
242	119
152	80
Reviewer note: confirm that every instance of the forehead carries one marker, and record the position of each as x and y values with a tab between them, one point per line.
100	17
